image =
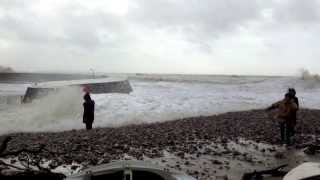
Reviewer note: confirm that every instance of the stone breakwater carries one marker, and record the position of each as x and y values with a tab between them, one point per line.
95	86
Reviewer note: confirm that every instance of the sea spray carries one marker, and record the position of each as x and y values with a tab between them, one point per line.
306	75
59	110
155	101
310	80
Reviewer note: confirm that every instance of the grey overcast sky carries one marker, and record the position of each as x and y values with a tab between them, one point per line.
265	37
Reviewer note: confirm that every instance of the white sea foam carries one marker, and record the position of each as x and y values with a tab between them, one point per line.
156	100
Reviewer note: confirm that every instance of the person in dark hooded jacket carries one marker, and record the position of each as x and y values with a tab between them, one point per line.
88	111
292	93
286	116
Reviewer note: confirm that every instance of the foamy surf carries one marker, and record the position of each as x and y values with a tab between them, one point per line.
155	100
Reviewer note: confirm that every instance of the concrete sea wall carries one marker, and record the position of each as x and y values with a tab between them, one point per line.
95	88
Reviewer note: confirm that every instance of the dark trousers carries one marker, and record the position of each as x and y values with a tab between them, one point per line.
88	126
287	131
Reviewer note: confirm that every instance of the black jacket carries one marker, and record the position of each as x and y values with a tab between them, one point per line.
88	111
296	100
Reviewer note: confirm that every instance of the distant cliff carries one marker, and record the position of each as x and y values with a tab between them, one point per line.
4	69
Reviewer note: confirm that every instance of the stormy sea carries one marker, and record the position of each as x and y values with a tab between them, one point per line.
209	126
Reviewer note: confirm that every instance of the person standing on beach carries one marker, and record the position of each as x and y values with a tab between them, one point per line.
286	115
292	93
88	111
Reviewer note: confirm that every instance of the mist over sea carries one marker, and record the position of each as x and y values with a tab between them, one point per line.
155	98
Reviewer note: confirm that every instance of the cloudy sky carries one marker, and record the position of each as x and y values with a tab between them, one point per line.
274	37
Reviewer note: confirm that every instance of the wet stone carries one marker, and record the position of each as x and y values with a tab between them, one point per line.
216	162
279	155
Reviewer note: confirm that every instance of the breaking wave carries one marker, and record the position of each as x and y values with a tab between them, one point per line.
306	75
59	110
311	81
155	101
